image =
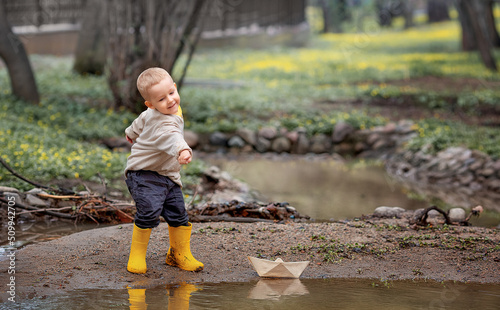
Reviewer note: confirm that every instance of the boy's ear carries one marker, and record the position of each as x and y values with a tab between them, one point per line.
175	85
149	105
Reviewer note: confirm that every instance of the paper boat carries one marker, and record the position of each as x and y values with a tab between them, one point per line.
278	268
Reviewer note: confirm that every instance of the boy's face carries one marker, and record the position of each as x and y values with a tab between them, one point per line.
164	97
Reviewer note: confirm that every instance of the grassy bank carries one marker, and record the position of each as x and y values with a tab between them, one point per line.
253	88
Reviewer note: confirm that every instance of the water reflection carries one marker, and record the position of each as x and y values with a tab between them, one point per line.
322	189
327	189
280	294
275	288
178	297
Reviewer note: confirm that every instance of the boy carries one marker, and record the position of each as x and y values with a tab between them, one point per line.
153	172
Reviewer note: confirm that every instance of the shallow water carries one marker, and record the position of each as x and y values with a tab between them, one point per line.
329	189
281	294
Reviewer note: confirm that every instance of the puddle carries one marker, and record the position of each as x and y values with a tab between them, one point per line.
328	189
287	294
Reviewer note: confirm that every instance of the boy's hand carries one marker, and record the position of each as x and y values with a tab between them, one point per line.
129	140
185	157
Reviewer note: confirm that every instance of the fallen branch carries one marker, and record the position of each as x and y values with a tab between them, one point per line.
47	211
422	219
13	172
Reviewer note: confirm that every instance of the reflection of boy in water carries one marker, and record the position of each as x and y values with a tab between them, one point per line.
153	172
178	296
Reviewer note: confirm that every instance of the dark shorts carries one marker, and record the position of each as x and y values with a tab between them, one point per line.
156	195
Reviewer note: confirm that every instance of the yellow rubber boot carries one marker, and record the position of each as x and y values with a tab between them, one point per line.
138	248
179	296
179	252
137	298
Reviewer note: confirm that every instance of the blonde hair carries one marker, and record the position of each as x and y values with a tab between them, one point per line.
150	77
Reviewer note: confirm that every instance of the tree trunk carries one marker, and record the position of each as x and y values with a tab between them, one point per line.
468	39
147	34
326	16
490	21
91	51
472	15
408	13
14	55
437	10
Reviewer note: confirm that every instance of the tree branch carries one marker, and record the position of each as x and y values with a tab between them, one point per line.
13	172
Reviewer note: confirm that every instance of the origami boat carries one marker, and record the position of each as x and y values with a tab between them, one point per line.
278	268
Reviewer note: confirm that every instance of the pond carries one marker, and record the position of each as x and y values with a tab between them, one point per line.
327	189
287	294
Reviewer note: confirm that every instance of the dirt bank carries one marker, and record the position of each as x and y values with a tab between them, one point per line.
369	248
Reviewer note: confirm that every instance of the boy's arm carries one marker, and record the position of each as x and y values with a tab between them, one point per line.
134	130
171	141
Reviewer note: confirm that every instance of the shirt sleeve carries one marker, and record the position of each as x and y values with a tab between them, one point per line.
135	129
170	139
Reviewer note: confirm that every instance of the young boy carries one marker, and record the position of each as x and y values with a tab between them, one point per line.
153	172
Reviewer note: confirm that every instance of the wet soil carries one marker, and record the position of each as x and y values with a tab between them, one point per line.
387	249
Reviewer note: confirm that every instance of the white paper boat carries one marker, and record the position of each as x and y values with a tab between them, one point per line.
275	288
278	268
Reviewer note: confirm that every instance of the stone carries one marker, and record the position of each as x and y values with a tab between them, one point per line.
262	145
465	178
13	196
452	152
247	135
268	132
320	144
344	148
384	211
493	184
33	200
218	138
477	164
292	136
390	128
302	145
192	138
383	143
360	147
6	189
236	141
373	138
341	131
457	214
486	172
281	144
496	166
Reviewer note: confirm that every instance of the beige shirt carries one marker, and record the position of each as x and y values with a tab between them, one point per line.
158	140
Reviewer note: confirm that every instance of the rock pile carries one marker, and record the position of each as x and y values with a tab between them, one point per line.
345	140
472	176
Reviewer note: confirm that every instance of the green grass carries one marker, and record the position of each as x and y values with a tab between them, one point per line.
275	86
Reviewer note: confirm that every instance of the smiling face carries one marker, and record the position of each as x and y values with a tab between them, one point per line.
164	97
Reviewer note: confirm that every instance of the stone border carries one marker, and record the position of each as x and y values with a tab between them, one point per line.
345	140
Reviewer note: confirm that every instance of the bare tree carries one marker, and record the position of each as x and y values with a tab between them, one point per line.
14	55
476	32
149	33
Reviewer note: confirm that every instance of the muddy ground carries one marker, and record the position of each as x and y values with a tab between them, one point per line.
383	249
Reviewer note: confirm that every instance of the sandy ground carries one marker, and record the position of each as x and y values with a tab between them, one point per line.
369	248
